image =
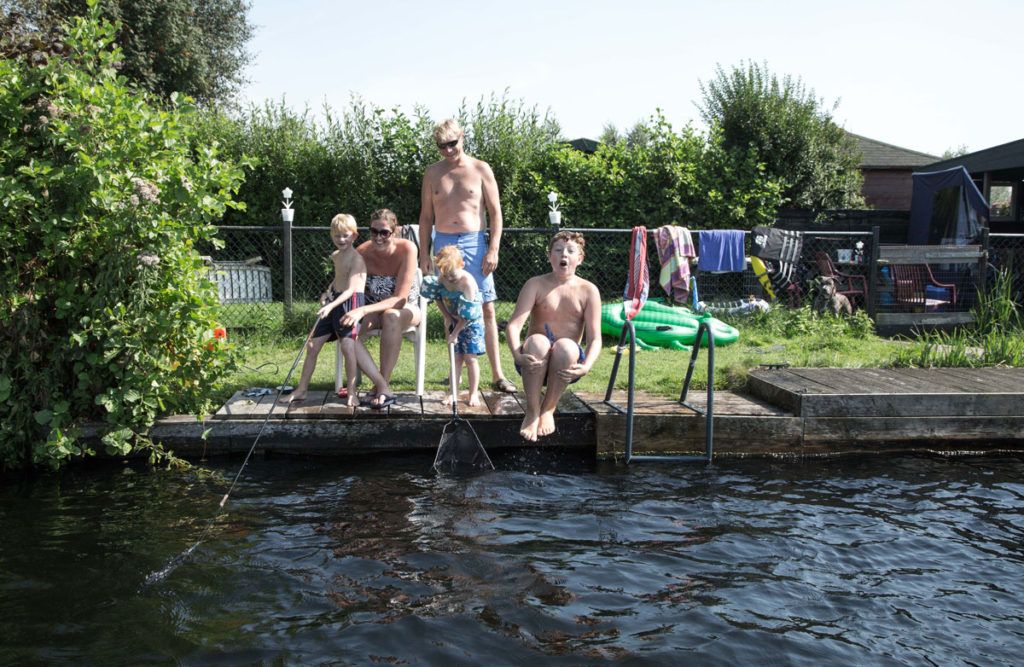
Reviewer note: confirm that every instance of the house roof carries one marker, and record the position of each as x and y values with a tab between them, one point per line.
584	145
1003	161
880	155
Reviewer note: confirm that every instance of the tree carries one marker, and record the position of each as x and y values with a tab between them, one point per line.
108	314
194	47
790	132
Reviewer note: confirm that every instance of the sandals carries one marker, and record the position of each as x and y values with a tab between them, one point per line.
372	401
503	385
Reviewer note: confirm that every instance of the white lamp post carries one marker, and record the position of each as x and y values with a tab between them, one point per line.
287	215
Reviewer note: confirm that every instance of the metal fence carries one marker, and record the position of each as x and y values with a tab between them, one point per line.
265	273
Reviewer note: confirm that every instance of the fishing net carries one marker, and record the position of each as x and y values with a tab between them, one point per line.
460	449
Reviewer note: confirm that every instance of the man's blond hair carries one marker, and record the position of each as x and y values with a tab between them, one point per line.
343	221
448	259
447	130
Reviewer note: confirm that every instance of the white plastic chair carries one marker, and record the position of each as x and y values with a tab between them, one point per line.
417	335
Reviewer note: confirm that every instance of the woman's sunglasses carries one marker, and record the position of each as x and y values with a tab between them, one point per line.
383	233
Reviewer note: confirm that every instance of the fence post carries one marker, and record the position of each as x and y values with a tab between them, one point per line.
287	215
873	278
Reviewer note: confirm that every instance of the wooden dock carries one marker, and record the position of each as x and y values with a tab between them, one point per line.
323	425
791	411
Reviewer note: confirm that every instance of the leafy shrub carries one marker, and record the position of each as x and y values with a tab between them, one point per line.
107	311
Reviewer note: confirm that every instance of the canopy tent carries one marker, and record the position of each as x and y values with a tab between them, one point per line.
946	208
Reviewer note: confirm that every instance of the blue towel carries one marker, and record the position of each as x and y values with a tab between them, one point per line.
721	250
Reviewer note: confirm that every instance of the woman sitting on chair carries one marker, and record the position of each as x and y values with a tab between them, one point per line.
391	291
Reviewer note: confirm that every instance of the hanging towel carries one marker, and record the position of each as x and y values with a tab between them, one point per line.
675	248
721	250
638	281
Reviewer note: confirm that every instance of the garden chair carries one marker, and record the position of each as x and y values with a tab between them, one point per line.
910	289
850	285
417	335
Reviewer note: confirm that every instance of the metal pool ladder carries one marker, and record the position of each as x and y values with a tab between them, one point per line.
709	414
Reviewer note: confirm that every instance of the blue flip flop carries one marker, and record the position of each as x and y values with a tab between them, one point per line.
388	400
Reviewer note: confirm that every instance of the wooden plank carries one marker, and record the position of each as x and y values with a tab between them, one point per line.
570	404
923	319
406	406
432	406
998	380
241	406
662	434
838	380
922	405
335	407
783	388
926	429
309	408
929	254
502	404
465	409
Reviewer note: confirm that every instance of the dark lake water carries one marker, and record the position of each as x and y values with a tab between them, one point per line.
889	560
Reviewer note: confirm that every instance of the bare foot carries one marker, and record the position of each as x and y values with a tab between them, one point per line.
474	399
546	425
447	399
529	428
352	396
294	397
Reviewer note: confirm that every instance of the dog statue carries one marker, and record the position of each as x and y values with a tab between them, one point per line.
827	299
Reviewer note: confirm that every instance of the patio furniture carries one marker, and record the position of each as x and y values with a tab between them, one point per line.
911	293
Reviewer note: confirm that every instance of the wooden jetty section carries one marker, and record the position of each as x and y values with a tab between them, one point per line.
789	411
323	425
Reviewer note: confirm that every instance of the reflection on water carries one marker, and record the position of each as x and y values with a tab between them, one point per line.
881	561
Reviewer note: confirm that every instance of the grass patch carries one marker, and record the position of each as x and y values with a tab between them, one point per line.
797	337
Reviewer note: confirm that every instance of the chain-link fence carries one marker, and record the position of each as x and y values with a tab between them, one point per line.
258	290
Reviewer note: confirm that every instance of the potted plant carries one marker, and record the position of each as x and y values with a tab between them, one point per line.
554	215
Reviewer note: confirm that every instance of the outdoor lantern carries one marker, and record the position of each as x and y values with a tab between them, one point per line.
287	213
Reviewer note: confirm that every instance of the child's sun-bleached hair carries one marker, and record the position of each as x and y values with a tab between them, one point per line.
565	237
448	259
343	222
447	130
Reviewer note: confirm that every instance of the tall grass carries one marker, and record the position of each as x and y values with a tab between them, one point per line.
996	339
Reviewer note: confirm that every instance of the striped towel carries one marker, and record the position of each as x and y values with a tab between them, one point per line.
638	282
675	249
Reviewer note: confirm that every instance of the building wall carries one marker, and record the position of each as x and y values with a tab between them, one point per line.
888	189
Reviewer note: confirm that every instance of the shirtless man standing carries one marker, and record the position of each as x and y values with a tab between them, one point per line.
560	306
459	195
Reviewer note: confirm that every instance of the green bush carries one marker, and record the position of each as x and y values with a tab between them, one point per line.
368	158
107	312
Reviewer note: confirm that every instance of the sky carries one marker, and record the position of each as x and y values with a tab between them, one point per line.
928	76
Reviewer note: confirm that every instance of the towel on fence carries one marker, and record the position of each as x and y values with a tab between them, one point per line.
638	281
675	248
721	250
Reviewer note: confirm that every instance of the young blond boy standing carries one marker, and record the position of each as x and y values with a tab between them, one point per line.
560	306
346	294
455	291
